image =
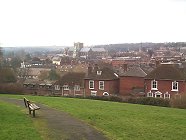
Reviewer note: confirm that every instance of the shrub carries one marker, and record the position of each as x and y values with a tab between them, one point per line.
149	101
178	102
12	88
106	98
115	98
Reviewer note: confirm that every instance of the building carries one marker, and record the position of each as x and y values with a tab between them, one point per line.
37	87
77	47
56	60
132	81
166	81
101	82
71	84
93	53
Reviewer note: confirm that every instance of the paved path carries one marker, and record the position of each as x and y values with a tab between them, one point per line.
61	125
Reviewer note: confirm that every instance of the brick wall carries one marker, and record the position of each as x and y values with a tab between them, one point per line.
166	86
110	86
129	83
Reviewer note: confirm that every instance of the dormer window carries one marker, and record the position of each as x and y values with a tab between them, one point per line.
57	87
149	94
166	95
99	72
65	87
77	87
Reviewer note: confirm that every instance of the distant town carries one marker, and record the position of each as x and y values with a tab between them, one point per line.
132	69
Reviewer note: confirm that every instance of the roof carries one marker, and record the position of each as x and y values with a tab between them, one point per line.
56	58
85	50
36	71
106	74
36	81
166	72
134	72
98	49
72	78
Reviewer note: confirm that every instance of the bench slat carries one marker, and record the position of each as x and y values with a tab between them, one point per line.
33	107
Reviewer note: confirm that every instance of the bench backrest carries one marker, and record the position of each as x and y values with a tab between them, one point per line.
27	102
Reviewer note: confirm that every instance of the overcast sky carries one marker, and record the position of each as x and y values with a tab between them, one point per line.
63	22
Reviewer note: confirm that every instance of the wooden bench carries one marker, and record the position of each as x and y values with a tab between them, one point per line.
31	106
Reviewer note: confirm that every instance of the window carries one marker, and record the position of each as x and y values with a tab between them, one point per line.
91	84
48	86
101	85
174	86
57	87
105	94
41	85
77	87
99	72
66	87
157	94
154	85
149	94
166	95
93	93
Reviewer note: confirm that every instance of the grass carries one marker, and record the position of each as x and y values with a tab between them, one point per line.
123	121
14	125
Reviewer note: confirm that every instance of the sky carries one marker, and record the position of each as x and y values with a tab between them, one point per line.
93	22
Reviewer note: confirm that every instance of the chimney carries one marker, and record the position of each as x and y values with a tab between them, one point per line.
89	69
96	68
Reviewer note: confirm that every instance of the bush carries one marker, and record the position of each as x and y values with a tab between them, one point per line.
149	101
134	100
106	98
12	88
179	102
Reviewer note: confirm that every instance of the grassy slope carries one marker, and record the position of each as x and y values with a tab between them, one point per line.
123	121
14	125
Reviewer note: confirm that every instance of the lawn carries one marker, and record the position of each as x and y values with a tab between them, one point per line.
122	121
14	125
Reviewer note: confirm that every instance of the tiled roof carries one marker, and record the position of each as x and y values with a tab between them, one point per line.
32	81
36	71
72	78
166	72
134	72
106	74
85	50
98	49
56	58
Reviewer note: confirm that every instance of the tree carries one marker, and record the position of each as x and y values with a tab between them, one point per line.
44	75
47	61
53	75
7	75
15	62
27	57
1	56
36	59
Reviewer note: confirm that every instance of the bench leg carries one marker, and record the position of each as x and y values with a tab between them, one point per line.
34	113
29	111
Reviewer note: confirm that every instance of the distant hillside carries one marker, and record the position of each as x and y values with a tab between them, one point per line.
136	46
34	48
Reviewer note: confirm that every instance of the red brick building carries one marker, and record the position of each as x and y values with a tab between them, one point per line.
165	81
132	81
101	82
